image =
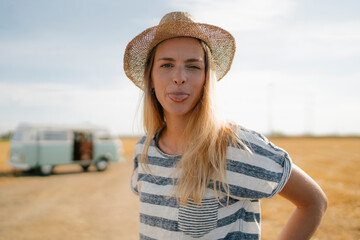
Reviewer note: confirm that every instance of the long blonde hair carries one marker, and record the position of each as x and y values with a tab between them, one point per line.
206	137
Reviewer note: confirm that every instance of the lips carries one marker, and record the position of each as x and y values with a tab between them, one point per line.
178	96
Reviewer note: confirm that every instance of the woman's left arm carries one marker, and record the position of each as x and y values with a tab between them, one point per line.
310	202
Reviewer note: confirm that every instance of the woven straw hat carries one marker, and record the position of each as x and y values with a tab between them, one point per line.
172	25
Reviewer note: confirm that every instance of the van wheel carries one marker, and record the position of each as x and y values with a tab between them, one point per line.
85	167
101	165
45	170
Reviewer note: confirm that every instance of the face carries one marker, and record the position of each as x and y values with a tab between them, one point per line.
178	75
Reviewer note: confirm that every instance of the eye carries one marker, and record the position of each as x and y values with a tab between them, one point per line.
194	67
166	65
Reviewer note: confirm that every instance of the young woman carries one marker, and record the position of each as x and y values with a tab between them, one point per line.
199	177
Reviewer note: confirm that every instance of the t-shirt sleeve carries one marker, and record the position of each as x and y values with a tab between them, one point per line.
137	155
258	170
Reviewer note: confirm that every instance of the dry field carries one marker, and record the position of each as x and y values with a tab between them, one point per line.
74	205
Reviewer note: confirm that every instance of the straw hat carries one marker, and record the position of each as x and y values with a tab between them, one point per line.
172	25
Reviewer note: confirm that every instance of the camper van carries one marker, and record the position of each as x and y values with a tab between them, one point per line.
42	147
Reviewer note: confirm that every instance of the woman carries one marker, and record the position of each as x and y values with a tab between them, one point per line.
197	176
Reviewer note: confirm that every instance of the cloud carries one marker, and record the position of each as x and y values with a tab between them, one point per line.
275	28
65	103
236	15
290	103
323	40
60	57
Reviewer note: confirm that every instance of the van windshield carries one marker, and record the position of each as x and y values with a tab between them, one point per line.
18	136
24	135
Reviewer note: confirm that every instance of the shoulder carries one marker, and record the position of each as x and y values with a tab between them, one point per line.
257	143
141	140
262	167
251	136
259	148
140	145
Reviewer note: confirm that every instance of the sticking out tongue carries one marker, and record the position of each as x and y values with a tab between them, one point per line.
178	97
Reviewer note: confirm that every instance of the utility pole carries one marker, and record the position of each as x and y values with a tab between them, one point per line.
269	101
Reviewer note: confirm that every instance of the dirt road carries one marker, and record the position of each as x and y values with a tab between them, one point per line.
70	204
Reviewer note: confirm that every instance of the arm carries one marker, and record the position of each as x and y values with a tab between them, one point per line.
311	204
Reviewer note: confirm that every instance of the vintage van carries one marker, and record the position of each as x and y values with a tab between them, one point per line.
43	147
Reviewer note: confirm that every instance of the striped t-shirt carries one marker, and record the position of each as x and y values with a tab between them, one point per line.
261	174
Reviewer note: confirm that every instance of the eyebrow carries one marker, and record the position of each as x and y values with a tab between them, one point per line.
187	61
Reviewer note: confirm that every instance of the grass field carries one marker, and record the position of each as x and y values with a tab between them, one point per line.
333	162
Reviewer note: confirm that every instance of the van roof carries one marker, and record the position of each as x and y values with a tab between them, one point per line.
74	127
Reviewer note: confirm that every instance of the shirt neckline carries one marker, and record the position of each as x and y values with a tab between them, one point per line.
156	145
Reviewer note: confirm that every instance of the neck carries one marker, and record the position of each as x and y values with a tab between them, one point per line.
172	140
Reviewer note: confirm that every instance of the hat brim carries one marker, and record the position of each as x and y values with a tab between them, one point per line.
220	42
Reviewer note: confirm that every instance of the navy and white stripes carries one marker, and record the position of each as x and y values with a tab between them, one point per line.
251	177
197	220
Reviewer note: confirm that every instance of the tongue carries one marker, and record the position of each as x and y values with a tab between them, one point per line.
178	97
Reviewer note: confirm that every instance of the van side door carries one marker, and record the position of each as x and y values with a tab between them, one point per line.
55	147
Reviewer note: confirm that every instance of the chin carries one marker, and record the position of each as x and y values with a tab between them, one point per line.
178	111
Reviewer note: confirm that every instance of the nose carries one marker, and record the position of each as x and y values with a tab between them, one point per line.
179	76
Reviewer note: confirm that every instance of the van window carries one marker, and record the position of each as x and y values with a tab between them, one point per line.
103	135
55	136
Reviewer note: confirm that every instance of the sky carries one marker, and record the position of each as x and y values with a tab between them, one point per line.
296	69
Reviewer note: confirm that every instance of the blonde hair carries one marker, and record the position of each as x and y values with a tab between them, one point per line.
206	137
